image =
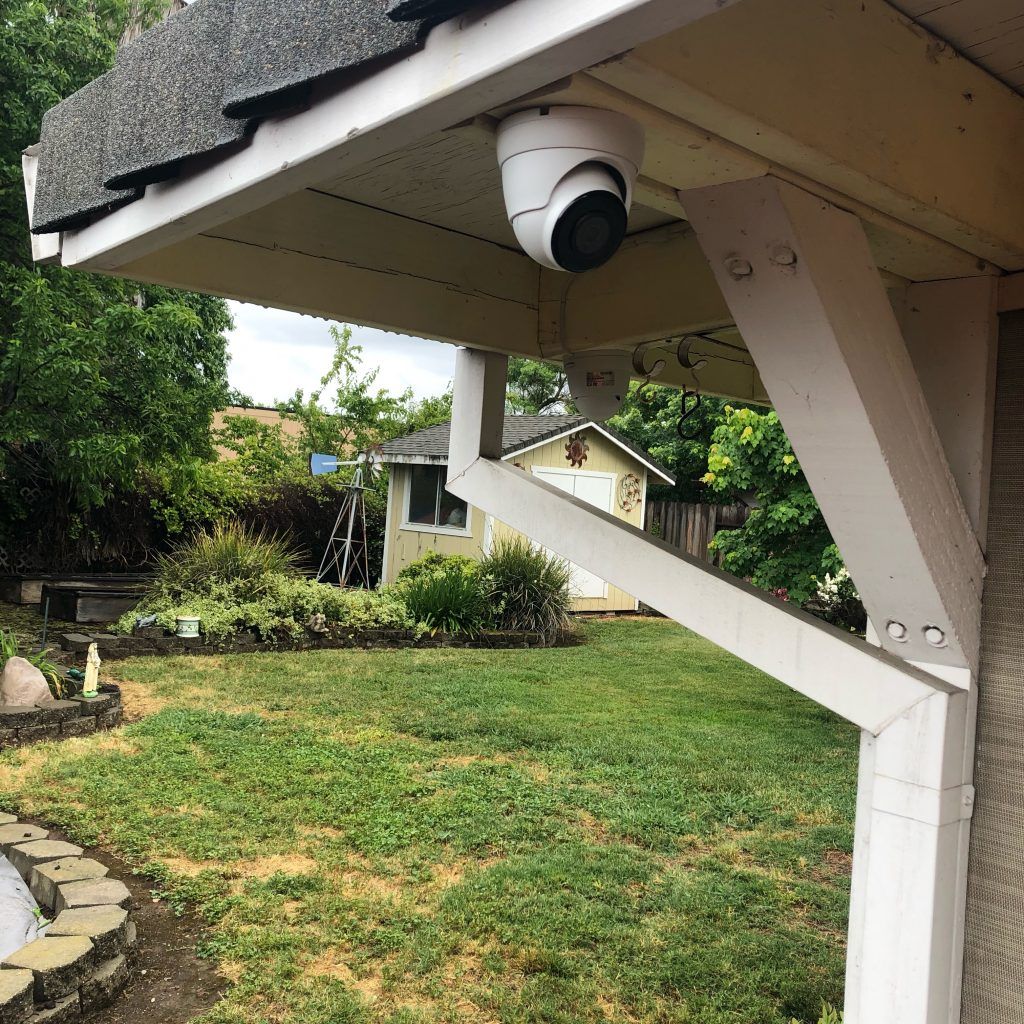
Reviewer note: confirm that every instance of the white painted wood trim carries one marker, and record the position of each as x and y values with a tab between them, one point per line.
467	65
566	471
389	539
45	248
798	275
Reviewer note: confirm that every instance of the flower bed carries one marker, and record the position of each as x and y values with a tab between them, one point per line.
155	640
82	959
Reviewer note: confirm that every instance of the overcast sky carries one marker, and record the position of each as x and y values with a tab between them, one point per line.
274	352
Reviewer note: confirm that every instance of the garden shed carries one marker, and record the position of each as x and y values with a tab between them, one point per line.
589	460
825	213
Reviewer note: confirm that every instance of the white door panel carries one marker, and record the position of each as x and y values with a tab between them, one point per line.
595	489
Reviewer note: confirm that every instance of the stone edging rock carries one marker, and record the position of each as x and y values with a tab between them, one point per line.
78	716
85	959
150	640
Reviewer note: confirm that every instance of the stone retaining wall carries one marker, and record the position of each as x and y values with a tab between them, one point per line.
78	716
150	640
84	960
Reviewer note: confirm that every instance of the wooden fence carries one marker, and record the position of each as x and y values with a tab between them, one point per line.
691	527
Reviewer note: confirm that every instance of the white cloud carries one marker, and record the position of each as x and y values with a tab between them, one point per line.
273	352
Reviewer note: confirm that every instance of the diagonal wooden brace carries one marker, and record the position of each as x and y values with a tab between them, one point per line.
800	281
863	684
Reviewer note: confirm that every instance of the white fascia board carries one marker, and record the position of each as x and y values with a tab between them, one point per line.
593	425
863	684
468	65
45	248
414	460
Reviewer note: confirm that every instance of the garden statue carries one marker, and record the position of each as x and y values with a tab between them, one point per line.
90	688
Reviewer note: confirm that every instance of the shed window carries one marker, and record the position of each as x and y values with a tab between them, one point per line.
430	504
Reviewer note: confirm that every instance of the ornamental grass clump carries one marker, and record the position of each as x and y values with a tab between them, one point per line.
230	556
526	589
448	599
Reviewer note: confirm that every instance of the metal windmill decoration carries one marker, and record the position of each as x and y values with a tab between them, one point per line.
346	559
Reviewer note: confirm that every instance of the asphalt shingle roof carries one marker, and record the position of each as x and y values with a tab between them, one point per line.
518	432
191	85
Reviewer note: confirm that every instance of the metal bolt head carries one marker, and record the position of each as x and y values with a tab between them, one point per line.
783	256
738	267
897	631
935	636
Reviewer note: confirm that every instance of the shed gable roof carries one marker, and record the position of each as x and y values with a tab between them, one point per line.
519	433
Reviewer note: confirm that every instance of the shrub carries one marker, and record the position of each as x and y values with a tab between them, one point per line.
434	562
448	599
229	556
527	589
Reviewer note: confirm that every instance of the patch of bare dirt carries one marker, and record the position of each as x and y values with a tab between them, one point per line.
138	700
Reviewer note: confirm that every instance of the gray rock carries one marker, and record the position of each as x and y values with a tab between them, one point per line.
38	733
58	1011
22	683
96	705
15	996
15	834
60	711
104	985
19	716
58	965
45	878
25	856
7	819
92	893
107	927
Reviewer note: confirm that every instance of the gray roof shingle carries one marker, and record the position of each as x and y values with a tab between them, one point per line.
166	118
279	49
518	432
72	153
188	86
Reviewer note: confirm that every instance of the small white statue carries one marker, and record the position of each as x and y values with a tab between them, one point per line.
90	688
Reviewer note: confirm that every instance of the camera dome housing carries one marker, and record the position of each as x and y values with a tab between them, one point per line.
568	175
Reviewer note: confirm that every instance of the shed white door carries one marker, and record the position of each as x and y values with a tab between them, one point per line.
595	489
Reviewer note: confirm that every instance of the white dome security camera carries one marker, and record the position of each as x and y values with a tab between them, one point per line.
568	175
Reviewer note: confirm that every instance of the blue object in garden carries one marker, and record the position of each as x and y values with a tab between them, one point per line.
320	464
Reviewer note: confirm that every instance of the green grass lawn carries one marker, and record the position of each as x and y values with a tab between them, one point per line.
641	829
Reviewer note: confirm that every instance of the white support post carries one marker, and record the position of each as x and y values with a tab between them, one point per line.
799	278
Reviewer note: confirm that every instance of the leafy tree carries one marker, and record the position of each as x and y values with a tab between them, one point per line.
101	381
650	418
785	545
535	387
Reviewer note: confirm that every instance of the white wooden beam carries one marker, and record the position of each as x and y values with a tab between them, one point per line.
45	248
799	278
950	329
865	685
468	65
854	97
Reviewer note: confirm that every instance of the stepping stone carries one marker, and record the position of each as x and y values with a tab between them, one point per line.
107	927
97	892
46	877
26	856
8	819
76	642
19	716
58	965
13	835
15	996
61	1011
104	985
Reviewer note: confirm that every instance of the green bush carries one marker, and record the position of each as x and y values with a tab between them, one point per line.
229	559
527	589
448	599
434	562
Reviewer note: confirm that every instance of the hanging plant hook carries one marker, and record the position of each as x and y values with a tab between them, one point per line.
648	373
688	411
686	361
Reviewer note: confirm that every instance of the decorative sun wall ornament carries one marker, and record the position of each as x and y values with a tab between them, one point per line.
576	451
630	492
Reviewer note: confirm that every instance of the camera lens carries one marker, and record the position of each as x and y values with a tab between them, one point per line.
589	232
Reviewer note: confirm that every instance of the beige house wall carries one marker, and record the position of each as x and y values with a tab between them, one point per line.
268	417
404	544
